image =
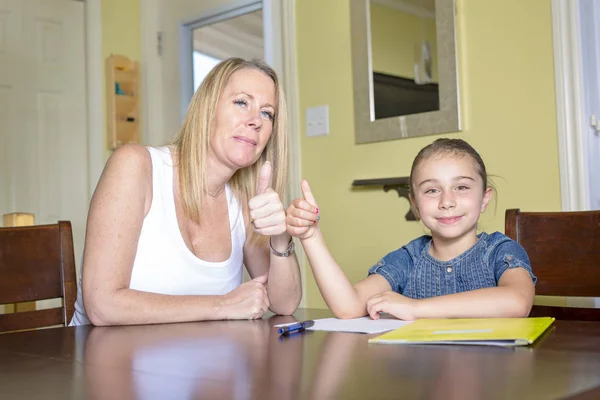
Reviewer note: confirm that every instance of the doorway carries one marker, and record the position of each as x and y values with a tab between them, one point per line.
216	40
43	116
589	14
576	31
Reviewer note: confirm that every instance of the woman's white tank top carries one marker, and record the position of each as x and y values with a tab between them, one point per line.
163	262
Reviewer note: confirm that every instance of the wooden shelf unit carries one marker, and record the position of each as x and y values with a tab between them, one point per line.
123	101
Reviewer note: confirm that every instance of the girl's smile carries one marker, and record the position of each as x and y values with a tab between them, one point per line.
449	220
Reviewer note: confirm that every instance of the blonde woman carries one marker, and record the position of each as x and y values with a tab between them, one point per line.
169	228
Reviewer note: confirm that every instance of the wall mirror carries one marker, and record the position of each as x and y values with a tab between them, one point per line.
404	68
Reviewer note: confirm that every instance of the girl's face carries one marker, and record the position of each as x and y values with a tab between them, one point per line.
244	118
448	196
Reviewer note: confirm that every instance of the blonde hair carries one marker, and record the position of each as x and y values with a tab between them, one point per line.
193	140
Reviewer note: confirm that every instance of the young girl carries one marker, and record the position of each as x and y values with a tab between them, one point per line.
454	273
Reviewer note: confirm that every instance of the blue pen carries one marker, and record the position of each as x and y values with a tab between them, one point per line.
297	327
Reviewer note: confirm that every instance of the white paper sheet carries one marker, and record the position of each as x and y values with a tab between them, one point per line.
358	325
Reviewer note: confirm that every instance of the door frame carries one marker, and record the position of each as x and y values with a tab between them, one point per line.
94	88
570	115
280	53
569	106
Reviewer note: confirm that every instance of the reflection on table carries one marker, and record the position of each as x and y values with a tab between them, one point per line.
249	360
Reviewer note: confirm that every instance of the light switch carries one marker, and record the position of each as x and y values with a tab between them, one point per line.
317	121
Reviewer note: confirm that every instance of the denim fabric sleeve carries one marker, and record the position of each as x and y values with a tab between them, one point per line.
394	268
510	254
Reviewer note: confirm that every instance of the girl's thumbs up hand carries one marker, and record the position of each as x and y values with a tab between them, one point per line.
303	214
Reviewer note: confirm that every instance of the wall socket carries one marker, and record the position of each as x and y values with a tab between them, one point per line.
317	121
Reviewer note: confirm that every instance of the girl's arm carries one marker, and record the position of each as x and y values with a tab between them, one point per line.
513	297
119	205
344	299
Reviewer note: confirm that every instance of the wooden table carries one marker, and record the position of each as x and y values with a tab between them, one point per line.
248	360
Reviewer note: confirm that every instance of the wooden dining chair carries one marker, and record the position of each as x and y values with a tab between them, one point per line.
37	263
564	250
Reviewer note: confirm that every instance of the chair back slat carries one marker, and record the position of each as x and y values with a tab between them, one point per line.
29	264
32	319
566	313
564	250
37	263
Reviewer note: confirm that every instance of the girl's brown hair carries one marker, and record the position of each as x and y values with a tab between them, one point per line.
446	146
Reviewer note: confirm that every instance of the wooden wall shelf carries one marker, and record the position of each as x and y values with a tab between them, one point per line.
123	101
400	185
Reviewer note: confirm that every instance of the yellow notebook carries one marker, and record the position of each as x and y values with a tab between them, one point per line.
505	332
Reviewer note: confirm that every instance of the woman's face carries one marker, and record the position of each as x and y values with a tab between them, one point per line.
244	119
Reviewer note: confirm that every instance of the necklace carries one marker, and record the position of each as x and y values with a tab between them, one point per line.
214	196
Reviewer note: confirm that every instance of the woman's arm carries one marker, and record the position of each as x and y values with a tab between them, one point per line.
284	286
344	300
118	207
268	218
513	297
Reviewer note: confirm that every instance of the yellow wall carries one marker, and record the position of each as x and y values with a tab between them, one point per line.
120	34
395	36
508	108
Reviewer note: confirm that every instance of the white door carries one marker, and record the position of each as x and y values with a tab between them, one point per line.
43	137
590	55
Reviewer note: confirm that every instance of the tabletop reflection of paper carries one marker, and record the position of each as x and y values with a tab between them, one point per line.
358	325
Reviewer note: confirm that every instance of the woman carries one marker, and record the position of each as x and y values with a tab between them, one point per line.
169	228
